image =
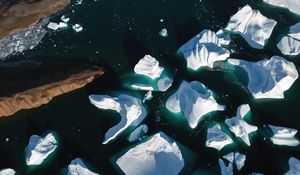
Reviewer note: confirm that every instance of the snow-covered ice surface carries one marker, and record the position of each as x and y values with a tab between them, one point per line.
130	108
138	133
290	44
291	5
294	167
252	26
284	136
39	148
78	167
204	50
268	78
7	171
193	100
149	67
216	138
158	155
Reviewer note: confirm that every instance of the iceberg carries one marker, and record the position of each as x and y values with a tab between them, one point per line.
239	160
229	157
164	84
39	148
284	136
204	49
143	87
148	66
194	101
291	5
268	78
77	28
252	26
294	167
53	26
7	171
137	133
148	96
216	138
290	44
225	170
159	155
239	126
131	110
164	33
77	167
64	19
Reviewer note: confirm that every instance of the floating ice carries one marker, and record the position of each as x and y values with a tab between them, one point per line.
149	67
225	170
294	167
62	25
164	84
148	96
77	167
239	160
193	100
229	157
65	19
53	26
239	126
284	136
291	5
131	110
137	133
77	28
144	87
164	33
268	78
216	138
290	44
7	171
158	155
204	49
252	26
39	148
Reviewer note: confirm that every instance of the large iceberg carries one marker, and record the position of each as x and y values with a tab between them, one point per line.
193	100
138	133
39	148
290	44
7	171
284	136
268	78
216	138
159	155
294	167
239	126
149	67
130	108
252	26
204	49
291	5
77	167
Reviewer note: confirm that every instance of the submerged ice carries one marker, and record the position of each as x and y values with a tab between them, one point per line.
216	138
78	167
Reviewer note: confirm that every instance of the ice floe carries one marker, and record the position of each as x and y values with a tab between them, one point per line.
294	167
268	78
137	133
216	138
239	126
164	33
194	101
291	5
78	167
290	44
204	49
7	171
284	136
149	67
158	155
252	26
164	84
39	148
130	108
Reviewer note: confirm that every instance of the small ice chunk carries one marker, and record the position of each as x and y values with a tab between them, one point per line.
284	136
149	67
225	170
239	160
64	19
194	101
229	157
252	26
290	44
143	87
291	5
62	25
7	171
77	28
216	138
164	84
138	133
164	33
53	26
77	167
39	148
294	167
158	155
268	78
131	110
148	96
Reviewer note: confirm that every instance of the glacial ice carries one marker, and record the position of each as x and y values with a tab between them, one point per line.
137	133
284	136
225	170
252	26
7	171
39	148
268	78
77	167
131	110
291	5
290	44
204	49
294	167
149	67
216	138
158	155
193	100
239	126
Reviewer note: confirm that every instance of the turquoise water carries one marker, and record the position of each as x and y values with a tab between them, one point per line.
116	35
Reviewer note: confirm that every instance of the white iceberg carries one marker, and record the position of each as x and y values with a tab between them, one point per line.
216	138
294	167
137	133
77	28
77	167
252	26
164	84
148	96
131	110
204	49
193	100
225	170
164	33
229	157
39	148
290	44
239	160
64	19
62	25
268	78
144	87
291	5
53	26
284	136
149	67
158	155
239	126
7	171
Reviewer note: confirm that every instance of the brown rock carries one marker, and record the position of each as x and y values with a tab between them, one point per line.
31	85
18	15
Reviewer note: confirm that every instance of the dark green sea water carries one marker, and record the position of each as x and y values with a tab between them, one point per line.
116	35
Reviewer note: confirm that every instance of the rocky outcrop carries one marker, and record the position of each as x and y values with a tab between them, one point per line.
30	85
